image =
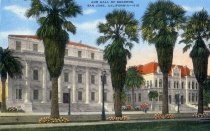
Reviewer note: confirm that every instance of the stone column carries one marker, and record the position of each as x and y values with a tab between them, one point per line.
187	90
27	88
44	85
74	84
87	76
99	87
60	90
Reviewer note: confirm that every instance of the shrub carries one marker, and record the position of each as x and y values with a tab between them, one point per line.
144	106
200	115
113	118
162	116
46	120
14	109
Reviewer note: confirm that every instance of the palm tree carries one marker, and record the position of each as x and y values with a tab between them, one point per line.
133	80
52	17
159	27
120	31
196	30
10	65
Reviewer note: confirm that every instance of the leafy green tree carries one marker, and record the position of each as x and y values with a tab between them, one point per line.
133	80
153	95
9	65
160	24
120	31
196	30
52	17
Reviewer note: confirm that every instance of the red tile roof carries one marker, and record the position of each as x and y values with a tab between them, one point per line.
148	68
152	68
69	43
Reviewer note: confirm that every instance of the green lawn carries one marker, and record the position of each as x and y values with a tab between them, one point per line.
145	126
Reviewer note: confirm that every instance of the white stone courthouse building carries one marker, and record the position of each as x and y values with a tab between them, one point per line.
181	79
79	82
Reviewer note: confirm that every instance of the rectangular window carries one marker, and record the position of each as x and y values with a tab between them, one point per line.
150	84
129	97
147	84
35	75
169	97
66	77
92	96
177	84
66	52
92	55
92	79
134	97
80	54
193	97
35	47
139	97
196	85
174	84
160	83
182	85
196	97
66	98
19	94
18	45
193	85
79	78
188	85
155	83
182	99
189	97
79	96
35	94
160	96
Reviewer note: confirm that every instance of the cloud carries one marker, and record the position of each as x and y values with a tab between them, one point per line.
18	10
89	26
192	9
89	11
4	35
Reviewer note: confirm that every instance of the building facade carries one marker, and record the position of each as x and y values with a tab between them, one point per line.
181	82
80	81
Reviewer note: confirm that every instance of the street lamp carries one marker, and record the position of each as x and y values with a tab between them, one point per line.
69	109
103	77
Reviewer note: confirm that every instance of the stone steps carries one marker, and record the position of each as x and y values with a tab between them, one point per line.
75	107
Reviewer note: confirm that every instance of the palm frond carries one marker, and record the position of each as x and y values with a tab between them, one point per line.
69	27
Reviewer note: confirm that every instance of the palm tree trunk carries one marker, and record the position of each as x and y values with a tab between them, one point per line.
200	98
54	99
165	94
117	103
3	98
133	103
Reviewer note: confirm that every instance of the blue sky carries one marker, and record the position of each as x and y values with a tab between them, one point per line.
13	21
